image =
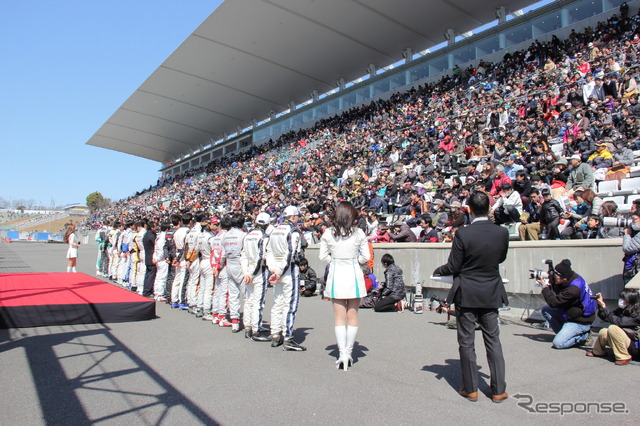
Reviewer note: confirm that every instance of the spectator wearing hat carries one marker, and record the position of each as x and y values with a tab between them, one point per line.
602	158
570	311
439	218
402	233
580	175
559	177
511	167
457	216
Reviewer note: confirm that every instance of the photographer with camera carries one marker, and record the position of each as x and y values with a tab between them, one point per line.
570	310
631	249
623	333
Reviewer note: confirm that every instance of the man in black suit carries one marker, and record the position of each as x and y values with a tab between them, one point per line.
148	242
478	292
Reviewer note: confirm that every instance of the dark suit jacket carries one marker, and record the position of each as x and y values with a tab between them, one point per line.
476	252
148	242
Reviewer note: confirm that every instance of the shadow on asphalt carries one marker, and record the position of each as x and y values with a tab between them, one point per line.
300	334
68	365
358	351
450	372
541	337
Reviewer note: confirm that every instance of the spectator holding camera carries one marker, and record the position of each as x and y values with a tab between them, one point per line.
623	333
631	249
570	311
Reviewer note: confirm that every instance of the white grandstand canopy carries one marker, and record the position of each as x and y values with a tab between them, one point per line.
252	57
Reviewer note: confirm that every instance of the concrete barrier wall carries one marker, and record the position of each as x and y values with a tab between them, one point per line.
598	261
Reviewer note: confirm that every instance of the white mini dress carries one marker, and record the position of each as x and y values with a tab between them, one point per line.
344	255
73	251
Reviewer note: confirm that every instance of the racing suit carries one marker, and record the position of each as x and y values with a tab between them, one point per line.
253	266
231	248
283	250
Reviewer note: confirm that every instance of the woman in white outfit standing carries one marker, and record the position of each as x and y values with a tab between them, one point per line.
71	238
344	247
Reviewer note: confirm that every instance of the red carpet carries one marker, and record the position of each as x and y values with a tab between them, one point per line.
29	300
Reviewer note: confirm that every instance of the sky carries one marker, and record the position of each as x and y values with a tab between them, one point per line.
67	66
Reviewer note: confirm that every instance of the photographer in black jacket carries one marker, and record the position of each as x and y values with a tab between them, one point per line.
393	290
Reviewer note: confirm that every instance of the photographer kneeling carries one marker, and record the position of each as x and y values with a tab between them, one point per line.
571	310
622	334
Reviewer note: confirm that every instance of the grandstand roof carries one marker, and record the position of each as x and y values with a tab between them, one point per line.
250	57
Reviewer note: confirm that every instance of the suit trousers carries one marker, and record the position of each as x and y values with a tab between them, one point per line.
149	280
488	320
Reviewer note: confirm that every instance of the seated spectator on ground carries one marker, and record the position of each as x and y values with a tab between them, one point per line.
570	311
508	208
393	290
370	280
308	279
624	332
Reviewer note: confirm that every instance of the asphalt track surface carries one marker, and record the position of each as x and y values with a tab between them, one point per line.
177	369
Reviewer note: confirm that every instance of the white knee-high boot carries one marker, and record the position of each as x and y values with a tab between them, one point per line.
341	339
352	332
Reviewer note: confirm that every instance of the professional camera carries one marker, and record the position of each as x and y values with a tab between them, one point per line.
616	222
541	274
441	303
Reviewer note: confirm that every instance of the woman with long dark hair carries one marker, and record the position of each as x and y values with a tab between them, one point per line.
71	238
344	246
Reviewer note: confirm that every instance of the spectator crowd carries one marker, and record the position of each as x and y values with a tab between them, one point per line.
535	131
